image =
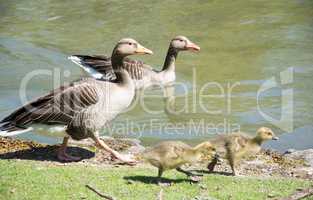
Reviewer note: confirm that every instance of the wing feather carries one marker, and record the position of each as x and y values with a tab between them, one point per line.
58	106
102	64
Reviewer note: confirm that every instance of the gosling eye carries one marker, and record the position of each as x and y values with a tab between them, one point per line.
180	40
269	133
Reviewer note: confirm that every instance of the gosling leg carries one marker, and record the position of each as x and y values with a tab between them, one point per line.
187	173
193	177
160	172
212	164
62	155
232	164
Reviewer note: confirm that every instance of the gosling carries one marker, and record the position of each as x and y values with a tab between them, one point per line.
173	154
238	145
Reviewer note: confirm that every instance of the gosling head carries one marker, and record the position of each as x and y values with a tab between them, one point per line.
265	134
182	43
129	46
207	149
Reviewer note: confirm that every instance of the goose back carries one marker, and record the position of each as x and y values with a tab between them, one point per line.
84	106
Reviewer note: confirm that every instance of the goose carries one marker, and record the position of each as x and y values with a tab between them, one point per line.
238	145
143	75
173	154
83	106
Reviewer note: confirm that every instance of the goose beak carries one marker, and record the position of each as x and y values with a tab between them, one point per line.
142	50
275	138
192	46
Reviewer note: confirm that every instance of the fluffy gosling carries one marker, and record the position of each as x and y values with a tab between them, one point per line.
235	146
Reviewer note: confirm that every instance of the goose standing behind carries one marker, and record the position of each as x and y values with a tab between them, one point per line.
84	106
143	75
238	145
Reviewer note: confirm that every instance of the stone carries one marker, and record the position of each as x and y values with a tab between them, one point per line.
306	155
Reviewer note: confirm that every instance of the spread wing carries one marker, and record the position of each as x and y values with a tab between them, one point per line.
100	66
57	107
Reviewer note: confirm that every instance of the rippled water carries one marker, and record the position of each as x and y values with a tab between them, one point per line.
243	44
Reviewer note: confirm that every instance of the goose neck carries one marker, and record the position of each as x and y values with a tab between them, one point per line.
169	64
117	61
117	64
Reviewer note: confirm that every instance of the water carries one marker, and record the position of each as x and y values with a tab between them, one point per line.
243	44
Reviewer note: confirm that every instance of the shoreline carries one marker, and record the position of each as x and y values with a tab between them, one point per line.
268	163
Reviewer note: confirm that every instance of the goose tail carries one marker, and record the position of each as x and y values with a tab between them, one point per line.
8	129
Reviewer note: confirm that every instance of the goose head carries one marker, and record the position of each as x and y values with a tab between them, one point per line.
265	133
182	43
128	46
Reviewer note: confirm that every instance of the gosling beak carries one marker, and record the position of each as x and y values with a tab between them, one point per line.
275	138
142	50
218	158
192	46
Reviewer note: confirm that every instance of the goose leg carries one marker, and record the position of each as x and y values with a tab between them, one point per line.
127	159
62	155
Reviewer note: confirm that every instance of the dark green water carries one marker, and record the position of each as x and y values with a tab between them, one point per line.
243	44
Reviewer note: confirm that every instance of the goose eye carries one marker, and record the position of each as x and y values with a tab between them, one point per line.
129	43
181	40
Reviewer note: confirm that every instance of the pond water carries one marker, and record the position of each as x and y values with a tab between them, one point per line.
256	58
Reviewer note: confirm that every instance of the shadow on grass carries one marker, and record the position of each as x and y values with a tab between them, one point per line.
154	179
47	153
213	172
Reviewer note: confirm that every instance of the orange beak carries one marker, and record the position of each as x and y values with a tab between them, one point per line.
143	50
192	46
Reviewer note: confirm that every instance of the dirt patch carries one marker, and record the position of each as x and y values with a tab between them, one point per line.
28	150
267	163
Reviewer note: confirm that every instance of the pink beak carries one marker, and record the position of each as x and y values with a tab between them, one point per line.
192	46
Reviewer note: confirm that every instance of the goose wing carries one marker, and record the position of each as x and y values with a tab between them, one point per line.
100	66
57	107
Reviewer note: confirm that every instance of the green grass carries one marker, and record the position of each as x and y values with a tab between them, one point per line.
37	180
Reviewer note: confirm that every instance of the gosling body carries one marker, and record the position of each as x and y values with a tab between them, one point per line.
173	154
236	146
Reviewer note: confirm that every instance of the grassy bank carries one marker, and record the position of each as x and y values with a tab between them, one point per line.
41	180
